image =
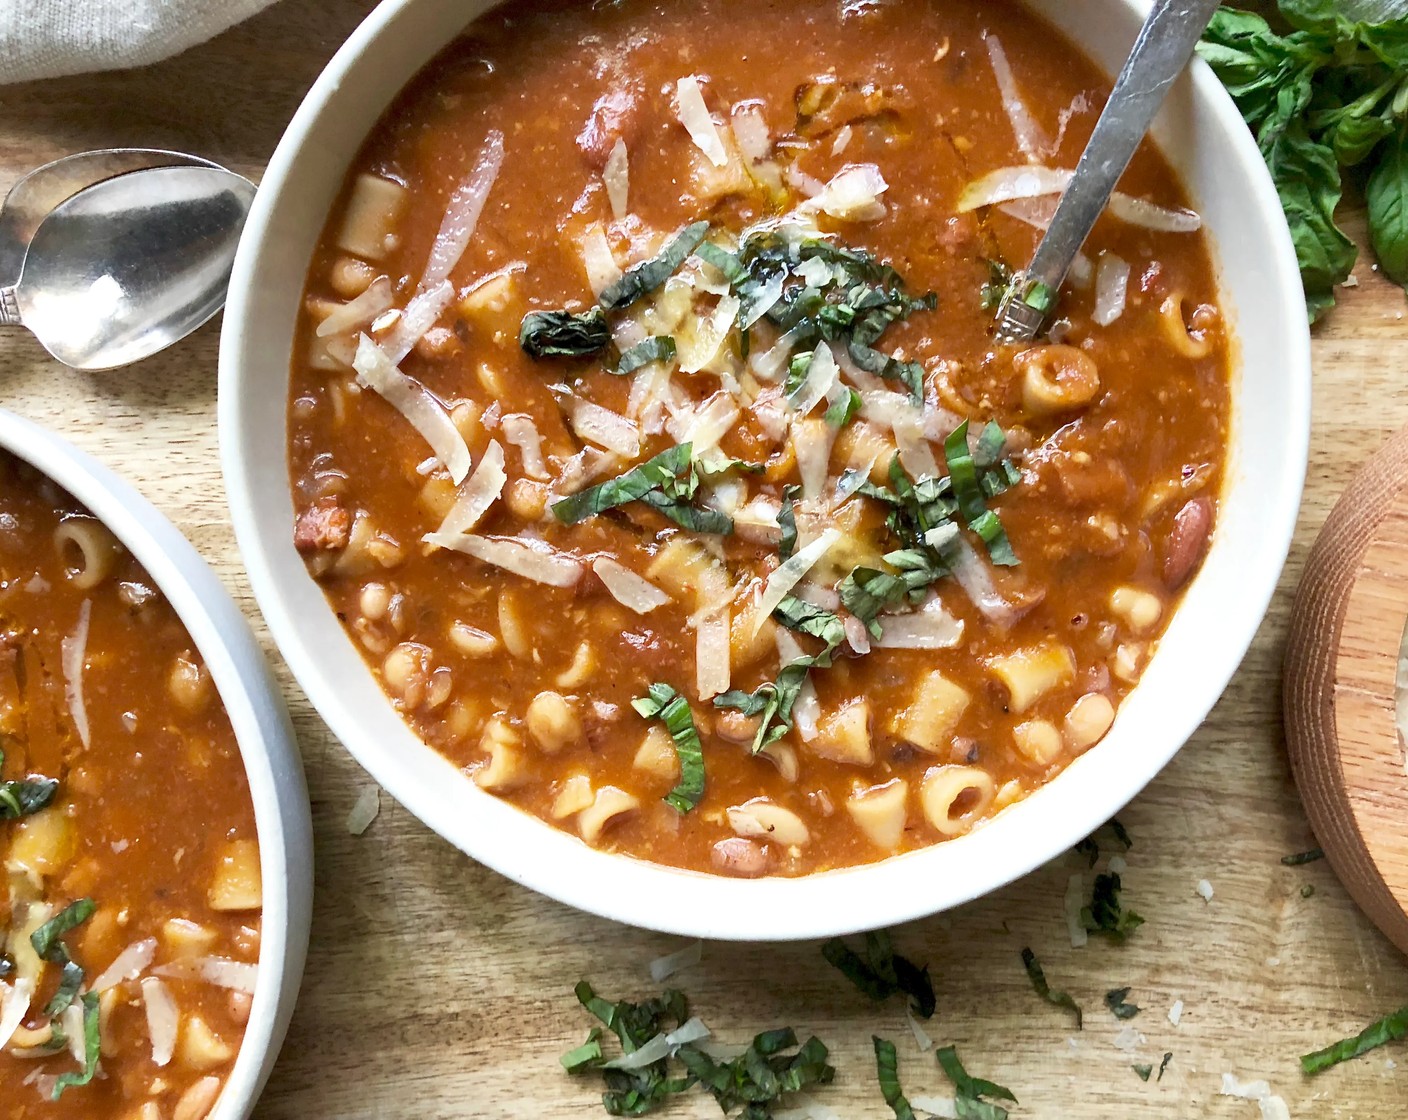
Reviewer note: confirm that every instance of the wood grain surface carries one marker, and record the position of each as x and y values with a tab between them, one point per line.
435	988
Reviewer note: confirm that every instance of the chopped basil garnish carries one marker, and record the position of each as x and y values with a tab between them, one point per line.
726	262
1307	890
548	334
667	483
1090	847
787	521
882	972
632	1092
664	703
774	700
1105	914
1163	1065
92	1048
998	281
649	275
763	1074
1388	1029
1037	976
887	1068
47	944
1300	858
970	1091
1143	1069
24	796
969	492
1119	1007
657	348
843	411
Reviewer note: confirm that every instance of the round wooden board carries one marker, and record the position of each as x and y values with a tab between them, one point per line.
1340	688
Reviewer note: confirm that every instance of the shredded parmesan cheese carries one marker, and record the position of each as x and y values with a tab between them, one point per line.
477	495
789	573
163	1019
522	433
694	115
376	370
617	177
462	214
72	653
628	588
531	559
364	810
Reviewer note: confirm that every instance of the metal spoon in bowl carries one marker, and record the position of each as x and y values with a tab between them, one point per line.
129	265
1164	46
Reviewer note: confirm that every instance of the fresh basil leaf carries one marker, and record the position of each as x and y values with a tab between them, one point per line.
1105	914
866	592
1119	1007
92	1048
1299	858
664	703
585	1056
1163	1065
969	1091
666	483
887	1066
843	411
649	275
1037	976
1387	195
45	939
1388	1029
545	334
657	348
963	474
882	972
697	519
909	374
1143	1070
25	796
762	1075
807	618
787	521
726	262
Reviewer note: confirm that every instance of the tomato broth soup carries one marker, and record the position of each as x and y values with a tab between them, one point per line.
649	435
131	915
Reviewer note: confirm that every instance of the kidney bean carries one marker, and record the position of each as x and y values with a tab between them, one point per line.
1187	541
737	856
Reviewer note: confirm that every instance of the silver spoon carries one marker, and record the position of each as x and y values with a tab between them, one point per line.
1164	46
31	199
129	265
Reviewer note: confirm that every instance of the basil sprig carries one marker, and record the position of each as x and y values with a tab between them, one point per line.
1388	1029
664	703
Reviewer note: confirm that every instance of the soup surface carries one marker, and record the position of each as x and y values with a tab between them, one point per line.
131	915
687	502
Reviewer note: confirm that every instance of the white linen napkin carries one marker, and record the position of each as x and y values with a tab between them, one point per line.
49	38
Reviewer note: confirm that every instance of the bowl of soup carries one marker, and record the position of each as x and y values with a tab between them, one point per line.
154	827
625	465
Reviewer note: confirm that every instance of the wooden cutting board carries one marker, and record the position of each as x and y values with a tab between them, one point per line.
436	988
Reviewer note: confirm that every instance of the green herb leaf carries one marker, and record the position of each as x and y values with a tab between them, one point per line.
887	1066
92	1048
807	618
649	275
1299	858
1105	914
787	521
1387	195
47	944
638	1091
726	262
664	703
668	466
1388	1029
545	334
657	348
963	474
1115	1001
970	1091
762	1075
25	796
883	972
1163	1065
1060	999
1143	1070
584	1056
844	410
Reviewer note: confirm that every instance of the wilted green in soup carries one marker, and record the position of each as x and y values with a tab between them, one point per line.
648	434
130	919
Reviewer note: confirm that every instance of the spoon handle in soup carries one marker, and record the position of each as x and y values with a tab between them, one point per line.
1164	46
9	307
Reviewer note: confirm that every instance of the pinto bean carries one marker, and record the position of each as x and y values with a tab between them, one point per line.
1187	541
746	859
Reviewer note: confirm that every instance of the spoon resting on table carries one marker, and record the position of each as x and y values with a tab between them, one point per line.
129	265
1165	44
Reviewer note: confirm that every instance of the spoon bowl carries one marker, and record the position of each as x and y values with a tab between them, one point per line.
129	265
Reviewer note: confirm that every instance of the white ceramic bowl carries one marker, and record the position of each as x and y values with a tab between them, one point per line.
260	723
1209	146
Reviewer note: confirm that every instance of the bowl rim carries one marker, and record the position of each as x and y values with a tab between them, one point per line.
247	689
667	899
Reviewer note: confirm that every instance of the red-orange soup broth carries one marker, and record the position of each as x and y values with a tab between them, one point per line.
126	830
650	504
